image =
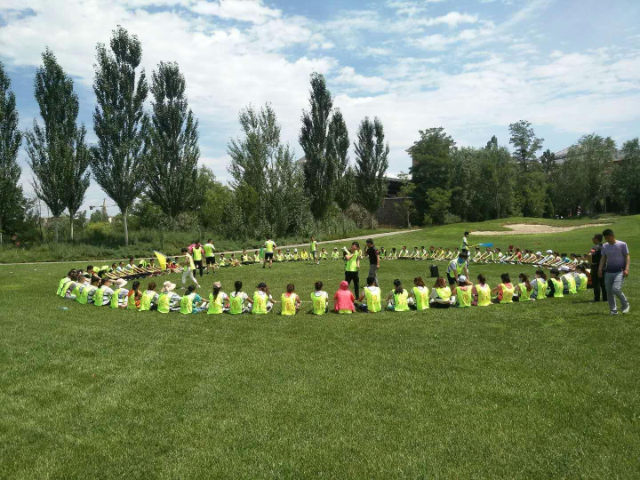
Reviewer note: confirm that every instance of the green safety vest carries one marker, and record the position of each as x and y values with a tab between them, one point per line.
197	254
584	282
525	295
325	255
558	286
422	298
83	298
352	263
484	295
208	250
507	293
444	293
61	284
374	302
288	304
142	263
115	297
314	246
335	255
319	304
98	297
259	304
236	304
192	265
571	284
400	301
131	302
541	294
464	297
216	307
245	258
186	304
63	291
145	302
164	302
269	246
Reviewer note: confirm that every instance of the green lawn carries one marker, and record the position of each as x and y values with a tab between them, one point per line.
549	389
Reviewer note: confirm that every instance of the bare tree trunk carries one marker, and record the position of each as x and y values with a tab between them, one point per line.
55	228
126	229
71	225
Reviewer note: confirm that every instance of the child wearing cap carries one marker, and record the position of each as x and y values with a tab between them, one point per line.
218	300
463	292
168	300
336	254
568	281
262	301
119	295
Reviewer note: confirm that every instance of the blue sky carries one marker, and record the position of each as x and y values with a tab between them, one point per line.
571	67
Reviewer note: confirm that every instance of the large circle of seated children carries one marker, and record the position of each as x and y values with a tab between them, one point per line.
461	293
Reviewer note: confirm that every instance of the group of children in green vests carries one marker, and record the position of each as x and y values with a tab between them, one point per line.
93	290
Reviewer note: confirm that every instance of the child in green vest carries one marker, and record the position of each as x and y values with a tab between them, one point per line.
568	281
149	300
190	302
524	289
582	279
539	284
505	291
440	294
319	300
102	296
482	292
336	254
398	298
262	301
290	301
555	284
168	301
218	301
65	283
372	297
419	295
237	300
119	296
87	293
463	293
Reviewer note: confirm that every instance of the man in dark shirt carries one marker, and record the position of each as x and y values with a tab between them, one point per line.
597	282
374	260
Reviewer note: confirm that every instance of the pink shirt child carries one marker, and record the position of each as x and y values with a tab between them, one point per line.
343	299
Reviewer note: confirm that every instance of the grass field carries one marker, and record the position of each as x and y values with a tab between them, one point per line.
549	389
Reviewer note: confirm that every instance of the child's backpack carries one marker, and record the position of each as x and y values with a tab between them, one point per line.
433	269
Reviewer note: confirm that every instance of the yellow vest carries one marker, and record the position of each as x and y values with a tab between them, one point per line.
558	287
374	303
319	304
525	295
259	304
444	293
288	304
484	295
507	293
164	302
197	254
216	307
422	298
464	297
186	304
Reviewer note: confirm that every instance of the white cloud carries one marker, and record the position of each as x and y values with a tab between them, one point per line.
242	10
349	76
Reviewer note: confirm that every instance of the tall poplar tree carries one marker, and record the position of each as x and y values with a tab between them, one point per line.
57	150
371	166
525	143
10	139
319	168
338	149
172	160
120	123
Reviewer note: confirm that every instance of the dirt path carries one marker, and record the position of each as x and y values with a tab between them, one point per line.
298	245
531	229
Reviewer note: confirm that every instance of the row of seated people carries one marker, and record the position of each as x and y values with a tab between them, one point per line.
107	292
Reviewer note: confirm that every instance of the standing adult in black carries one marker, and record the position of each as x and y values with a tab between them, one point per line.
597	282
374	260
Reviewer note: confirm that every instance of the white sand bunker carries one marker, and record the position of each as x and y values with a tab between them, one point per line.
530	229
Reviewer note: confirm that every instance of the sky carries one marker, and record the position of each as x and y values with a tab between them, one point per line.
570	67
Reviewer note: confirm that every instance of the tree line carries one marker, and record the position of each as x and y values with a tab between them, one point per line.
149	160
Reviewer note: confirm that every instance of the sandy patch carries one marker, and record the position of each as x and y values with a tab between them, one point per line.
530	229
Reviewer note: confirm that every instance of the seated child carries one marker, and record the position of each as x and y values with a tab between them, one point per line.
524	289
102	296
440	294
372	296
119	295
482	292
539	285
419	295
134	296
262	301
290	301
343	299
569	281
555	284
504	291
190	302
463	292
336	254
237	300
319	300
398	298
168	300
218	300
149	299
582	279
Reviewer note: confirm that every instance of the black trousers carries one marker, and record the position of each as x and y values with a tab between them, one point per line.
598	284
355	277
199	266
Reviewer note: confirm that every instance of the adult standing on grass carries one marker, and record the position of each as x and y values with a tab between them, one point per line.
352	267
209	256
269	247
314	251
458	266
614	267
198	256
465	241
597	282
374	260
189	267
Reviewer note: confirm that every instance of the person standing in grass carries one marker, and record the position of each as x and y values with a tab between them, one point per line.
269	247
374	260
465	241
614	268
352	267
209	255
319	300
597	282
458	266
315	256
189	268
